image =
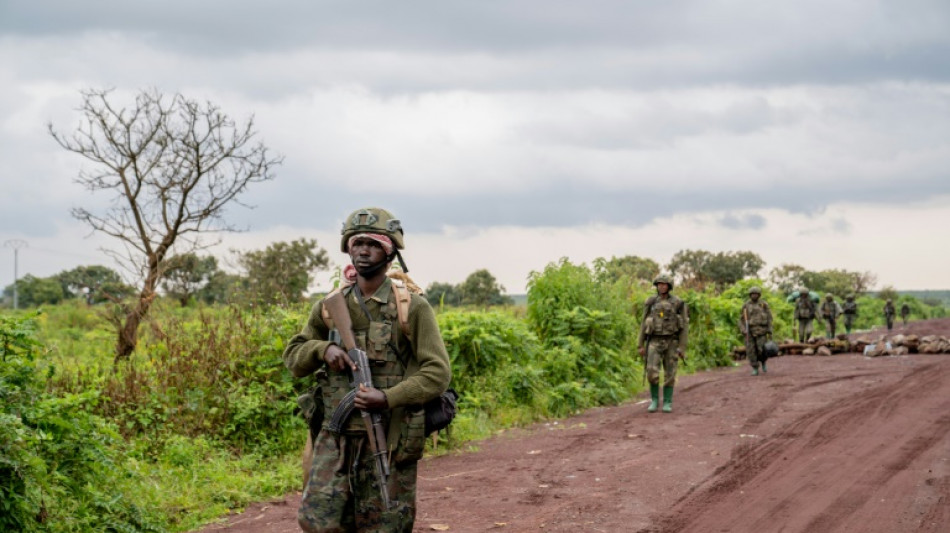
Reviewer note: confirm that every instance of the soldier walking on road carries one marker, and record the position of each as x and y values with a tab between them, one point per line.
905	313
663	335
756	324
409	367
804	313
889	314
829	312
850	312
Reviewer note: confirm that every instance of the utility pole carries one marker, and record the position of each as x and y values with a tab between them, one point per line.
16	244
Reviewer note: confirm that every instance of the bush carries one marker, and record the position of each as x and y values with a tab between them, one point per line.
58	461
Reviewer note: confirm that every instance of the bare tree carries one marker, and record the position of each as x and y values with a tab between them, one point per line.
172	165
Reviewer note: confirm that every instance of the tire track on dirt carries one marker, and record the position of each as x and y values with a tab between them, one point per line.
822	469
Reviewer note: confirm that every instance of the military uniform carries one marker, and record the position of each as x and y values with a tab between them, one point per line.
664	331
756	320
889	314
829	312
804	313
342	493
850	311
905	313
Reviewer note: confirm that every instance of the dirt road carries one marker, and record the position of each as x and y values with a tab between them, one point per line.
830	444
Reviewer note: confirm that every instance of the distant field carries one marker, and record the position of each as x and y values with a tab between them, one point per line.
942	296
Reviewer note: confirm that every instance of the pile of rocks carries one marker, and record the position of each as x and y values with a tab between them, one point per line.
869	346
902	344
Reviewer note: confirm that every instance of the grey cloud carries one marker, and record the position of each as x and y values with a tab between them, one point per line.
751	221
659	124
840	225
553	44
315	206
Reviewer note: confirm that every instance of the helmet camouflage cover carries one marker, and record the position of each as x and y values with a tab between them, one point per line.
755	290
372	220
850	297
803	291
829	297
664	278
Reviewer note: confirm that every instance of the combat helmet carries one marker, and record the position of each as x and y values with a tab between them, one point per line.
829	297
755	289
849	297
372	220
770	349
803	291
664	278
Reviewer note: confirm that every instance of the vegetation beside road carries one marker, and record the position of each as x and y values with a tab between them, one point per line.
200	419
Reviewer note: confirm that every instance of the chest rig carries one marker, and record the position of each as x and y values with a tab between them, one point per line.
382	335
664	316
758	313
805	308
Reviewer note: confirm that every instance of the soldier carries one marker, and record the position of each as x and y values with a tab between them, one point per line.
889	314
905	313
756	325
663	335
408	368
850	312
829	311
804	313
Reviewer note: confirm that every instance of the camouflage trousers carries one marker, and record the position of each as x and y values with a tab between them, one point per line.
662	351
342	494
830	324
890	321
754	346
848	322
804	329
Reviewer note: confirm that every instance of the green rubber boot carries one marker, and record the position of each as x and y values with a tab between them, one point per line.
654	397
764	369
667	399
755	371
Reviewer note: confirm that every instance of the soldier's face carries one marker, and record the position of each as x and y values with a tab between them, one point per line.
754	296
366	252
662	288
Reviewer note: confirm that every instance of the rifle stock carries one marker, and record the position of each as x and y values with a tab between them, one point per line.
376	433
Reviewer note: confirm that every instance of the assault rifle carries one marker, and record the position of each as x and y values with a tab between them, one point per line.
376	433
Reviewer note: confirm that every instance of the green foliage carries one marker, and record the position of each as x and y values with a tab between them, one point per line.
200	419
480	289
699	268
186	274
32	291
838	282
786	278
281	273
60	464
440	294
95	284
217	370
888	293
586	330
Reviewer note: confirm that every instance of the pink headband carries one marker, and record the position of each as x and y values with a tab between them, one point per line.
385	241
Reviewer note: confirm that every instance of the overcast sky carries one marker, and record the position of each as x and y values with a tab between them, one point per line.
506	135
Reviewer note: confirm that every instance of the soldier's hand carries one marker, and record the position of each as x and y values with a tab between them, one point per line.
370	398
337	359
680	354
642	351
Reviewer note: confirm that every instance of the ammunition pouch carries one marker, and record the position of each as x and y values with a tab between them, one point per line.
310	404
